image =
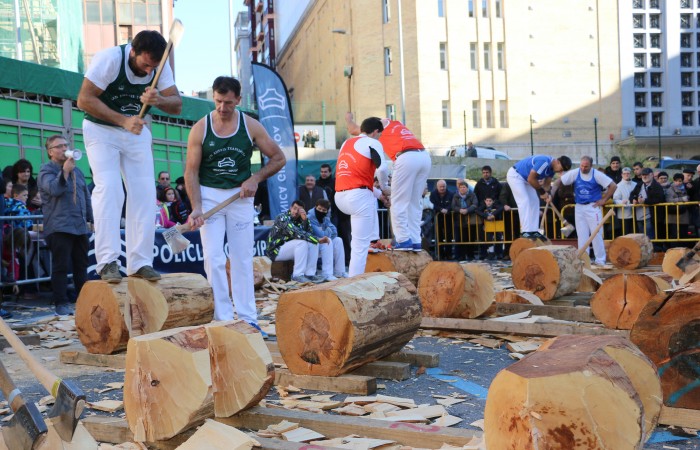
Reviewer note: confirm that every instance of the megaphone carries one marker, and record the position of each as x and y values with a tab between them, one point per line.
74	154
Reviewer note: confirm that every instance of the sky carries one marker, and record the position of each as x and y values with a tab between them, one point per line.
205	49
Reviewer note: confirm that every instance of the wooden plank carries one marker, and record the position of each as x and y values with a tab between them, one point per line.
116	361
348	384
679	417
572	313
526	329
27	339
415	358
386	370
414	435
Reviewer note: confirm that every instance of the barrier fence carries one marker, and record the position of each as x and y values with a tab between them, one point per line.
25	255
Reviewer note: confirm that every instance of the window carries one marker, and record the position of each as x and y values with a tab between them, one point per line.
639	81
443	55
638	4
107	12
387	61
640	60
92	11
655	60
638	21
472	55
484	8
640	119
489	113
497	4
687	98
140	17
499	55
124	11
154	14
445	114
391	112
686	79
441	8
657	119
686	21
503	113
385	11
657	99
654	20
655	41
655	79
487	55
685	40
638	41
685	4
688	118
654	4
640	99
476	114
471	8
686	59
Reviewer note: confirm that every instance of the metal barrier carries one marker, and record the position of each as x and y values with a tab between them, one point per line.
25	256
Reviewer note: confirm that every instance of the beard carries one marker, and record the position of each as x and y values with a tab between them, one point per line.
132	65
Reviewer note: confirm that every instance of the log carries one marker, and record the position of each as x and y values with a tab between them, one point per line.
242	371
549	272
631	251
517	296
106	315
667	331
622	297
672	256
552	398
410	264
521	244
258	276
335	327
450	289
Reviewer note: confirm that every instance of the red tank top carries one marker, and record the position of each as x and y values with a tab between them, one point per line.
397	138
354	169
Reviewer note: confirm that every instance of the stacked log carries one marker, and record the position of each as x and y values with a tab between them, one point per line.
410	264
631	251
548	272
335	327
621	298
667	331
521	244
450	289
553	397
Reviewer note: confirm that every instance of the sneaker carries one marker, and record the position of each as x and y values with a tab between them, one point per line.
316	279
405	246
417	247
5	314
64	309
330	278
257	327
377	247
110	273
147	273
301	279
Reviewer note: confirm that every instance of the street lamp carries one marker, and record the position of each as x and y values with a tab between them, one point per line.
403	88
532	138
347	70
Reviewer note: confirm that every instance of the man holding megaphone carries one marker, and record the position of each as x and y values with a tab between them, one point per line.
67	210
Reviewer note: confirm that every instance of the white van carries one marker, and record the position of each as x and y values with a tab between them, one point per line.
481	152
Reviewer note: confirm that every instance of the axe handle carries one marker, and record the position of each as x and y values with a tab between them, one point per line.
9	390
583	249
166	54
46	378
544	215
556	211
186	227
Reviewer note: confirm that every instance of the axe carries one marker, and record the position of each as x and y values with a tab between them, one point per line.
566	227
27	429
688	257
70	399
179	243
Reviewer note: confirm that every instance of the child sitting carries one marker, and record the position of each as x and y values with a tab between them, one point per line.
491	211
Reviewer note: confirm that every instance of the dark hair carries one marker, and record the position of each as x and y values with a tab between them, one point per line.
637	164
20	166
163	194
50	139
151	42
162	172
299	203
565	162
326	166
18	189
662	174
224	85
678	176
323	203
487	168
371	124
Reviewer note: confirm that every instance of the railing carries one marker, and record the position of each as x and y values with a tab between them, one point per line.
25	256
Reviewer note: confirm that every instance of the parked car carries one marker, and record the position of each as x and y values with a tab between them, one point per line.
481	152
672	164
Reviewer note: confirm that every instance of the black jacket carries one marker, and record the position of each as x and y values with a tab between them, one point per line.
491	189
655	193
440	203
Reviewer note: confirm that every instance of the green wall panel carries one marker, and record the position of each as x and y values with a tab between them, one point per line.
8	134
30	111
174	132
53	115
158	131
8	108
76	118
8	155
31	137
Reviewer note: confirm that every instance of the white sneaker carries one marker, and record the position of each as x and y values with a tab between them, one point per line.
331	278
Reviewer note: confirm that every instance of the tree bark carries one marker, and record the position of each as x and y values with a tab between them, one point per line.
335	327
410	264
552	398
521	244
631	251
668	331
450	289
549	272
621	298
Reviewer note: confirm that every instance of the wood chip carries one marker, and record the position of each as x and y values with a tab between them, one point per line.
56	344
351	410
449	401
109	406
478	423
447	420
282	427
301	435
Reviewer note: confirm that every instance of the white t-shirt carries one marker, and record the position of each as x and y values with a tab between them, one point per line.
600	177
104	68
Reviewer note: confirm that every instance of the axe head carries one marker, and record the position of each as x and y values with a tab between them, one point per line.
26	430
67	409
174	238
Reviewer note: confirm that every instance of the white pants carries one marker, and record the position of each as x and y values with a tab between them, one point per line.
303	253
411	170
527	199
113	152
361	206
587	218
332	258
235	222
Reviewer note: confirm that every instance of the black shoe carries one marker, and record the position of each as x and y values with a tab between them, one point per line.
64	309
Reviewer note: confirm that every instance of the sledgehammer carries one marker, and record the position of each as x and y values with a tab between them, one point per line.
70	399
27	429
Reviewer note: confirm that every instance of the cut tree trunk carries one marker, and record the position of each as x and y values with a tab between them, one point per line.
450	289
622	297
631	251
518	296
521	244
549	272
106	315
668	331
335	327
552	398
672	256
242	370
410	264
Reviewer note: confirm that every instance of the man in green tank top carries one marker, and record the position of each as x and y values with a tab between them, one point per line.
219	149
115	89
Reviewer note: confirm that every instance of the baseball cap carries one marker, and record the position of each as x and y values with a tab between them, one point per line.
615	159
690	171
647	171
627	169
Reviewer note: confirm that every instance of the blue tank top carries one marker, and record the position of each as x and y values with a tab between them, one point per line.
587	191
539	163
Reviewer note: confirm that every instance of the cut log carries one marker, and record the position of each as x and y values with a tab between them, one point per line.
242	370
167	384
549	272
631	251
552	398
667	331
218	436
672	256
517	296
521	244
622	297
335	327
410	264
450	289
106	315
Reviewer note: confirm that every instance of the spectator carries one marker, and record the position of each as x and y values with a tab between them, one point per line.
291	239
177	210
162	182
163	216
662	178
621	196
309	193
182	192
332	252
427	224
470	152
564	196
22	174
338	217
17	206
67	212
677	215
487	186
637	168
465	223
511	219
7	182
690	188
34	202
613	170
491	212
647	193
441	198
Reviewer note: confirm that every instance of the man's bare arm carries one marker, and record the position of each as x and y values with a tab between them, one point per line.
194	159
167	100
267	147
88	101
353	128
